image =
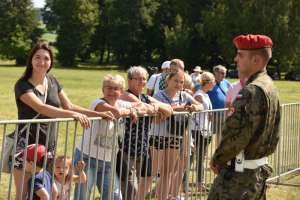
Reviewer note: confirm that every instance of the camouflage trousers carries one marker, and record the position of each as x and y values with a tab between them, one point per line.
247	185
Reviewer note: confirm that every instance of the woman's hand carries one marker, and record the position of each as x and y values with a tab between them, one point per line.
133	115
106	115
83	120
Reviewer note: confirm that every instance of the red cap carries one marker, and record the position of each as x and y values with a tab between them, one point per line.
40	152
248	42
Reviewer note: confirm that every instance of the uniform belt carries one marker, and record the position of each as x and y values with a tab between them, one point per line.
253	164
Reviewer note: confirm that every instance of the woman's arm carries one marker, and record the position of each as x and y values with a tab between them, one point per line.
163	108
126	96
36	104
68	105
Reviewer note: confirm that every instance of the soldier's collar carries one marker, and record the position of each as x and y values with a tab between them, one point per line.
255	75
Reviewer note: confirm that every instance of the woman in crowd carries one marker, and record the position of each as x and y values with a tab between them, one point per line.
40	95
166	142
201	127
136	181
99	142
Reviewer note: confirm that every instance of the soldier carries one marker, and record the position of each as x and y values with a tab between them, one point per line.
251	133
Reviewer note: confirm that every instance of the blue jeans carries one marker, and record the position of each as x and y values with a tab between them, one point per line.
100	175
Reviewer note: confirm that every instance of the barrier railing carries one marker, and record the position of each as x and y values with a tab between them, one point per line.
152	158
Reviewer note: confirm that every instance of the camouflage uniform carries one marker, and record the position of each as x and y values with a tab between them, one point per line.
254	128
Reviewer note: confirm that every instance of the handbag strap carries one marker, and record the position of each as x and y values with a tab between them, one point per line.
45	83
168	99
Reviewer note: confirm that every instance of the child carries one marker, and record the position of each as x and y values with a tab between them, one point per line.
63	175
40	184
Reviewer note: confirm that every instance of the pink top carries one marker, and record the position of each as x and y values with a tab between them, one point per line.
231	95
233	92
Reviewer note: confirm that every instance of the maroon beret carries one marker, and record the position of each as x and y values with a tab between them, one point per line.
248	42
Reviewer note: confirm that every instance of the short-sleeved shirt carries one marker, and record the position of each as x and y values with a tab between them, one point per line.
41	180
98	141
218	94
153	82
201	120
64	190
181	98
136	136
26	112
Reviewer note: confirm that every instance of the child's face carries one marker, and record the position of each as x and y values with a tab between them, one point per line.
112	90
61	171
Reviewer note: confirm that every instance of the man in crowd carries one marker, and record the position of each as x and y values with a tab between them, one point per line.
251	133
218	94
153	82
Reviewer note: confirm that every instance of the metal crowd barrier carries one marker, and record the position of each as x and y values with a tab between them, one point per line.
176	165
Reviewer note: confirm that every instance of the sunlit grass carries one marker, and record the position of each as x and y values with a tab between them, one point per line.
83	85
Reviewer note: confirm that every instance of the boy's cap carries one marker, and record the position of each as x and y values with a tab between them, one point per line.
251	42
40	152
165	65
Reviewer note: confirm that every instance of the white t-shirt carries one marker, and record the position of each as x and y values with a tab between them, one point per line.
195	78
201	121
64	190
99	140
181	98
153	83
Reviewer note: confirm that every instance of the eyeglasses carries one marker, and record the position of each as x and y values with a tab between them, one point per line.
111	88
139	79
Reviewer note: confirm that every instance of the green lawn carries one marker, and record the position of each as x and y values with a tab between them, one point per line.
83	85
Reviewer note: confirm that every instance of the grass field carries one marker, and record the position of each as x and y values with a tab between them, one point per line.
82	85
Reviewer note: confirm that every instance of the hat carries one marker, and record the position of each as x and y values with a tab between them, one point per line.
251	42
40	152
165	65
197	69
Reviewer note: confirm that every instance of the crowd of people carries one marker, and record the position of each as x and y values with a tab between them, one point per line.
152	142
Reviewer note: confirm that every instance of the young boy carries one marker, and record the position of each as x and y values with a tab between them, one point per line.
40	183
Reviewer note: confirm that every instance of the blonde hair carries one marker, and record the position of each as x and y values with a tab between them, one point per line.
188	82
206	77
137	70
119	80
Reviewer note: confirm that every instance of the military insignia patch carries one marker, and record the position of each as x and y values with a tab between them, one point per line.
239	96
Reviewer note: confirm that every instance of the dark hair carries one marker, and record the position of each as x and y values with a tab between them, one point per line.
40	45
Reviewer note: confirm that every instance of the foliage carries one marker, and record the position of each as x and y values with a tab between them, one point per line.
19	29
133	32
75	22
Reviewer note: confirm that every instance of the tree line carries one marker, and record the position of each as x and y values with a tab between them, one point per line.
131	32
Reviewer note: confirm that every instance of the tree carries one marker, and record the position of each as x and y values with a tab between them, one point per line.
278	19
75	23
18	29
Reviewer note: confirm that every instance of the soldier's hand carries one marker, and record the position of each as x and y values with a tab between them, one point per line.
214	167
